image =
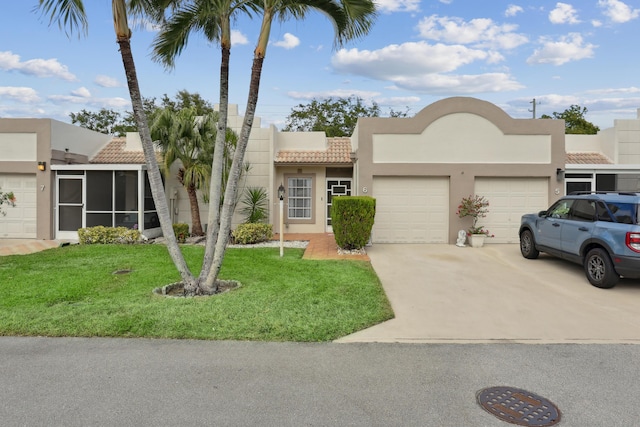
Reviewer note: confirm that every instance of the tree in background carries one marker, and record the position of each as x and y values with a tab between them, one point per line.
574	121
334	116
112	122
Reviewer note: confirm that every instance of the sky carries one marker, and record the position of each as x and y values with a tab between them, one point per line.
578	52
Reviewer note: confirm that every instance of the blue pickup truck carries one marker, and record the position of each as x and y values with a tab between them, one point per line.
600	231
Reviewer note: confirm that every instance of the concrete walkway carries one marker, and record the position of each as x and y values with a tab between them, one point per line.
26	246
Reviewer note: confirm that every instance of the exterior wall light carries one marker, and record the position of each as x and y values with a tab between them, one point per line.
559	174
42	166
281	192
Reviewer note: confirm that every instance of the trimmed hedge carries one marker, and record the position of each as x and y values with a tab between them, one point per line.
107	235
352	220
252	232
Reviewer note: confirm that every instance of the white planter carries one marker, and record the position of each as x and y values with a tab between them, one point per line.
476	240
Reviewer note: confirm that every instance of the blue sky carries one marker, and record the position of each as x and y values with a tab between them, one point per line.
506	52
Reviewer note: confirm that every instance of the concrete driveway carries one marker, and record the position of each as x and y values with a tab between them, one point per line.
444	293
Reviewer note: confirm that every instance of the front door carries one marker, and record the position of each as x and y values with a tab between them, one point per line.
336	187
70	207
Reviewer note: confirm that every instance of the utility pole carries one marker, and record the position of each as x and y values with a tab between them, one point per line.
534	107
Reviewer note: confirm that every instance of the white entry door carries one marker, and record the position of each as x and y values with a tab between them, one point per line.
336	187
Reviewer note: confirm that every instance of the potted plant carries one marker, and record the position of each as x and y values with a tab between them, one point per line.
475	207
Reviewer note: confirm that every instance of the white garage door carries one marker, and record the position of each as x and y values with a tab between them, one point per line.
411	210
19	221
509	199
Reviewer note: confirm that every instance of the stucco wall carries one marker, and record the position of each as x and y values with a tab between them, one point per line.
532	148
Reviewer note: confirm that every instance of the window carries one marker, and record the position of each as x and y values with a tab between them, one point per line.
583	210
561	209
300	199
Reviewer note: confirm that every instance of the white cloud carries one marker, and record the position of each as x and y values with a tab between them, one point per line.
334	93
618	11
388	6
412	58
237	38
20	94
568	48
9	61
563	14
622	90
421	67
479	32
596	23
81	92
79	98
446	1
289	41
513	10
106	81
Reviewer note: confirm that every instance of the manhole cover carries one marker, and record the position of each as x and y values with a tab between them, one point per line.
518	406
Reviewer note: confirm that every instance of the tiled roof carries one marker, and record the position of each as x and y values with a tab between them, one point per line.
587	158
338	152
114	153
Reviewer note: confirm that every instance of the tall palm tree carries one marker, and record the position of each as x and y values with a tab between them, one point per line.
71	14
351	19
212	18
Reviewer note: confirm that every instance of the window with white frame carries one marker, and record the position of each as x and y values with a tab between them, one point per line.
300	198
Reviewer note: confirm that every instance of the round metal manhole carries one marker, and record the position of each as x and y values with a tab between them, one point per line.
517	406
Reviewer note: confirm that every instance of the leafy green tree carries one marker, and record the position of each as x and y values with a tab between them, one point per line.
71	14
334	116
575	121
112	122
105	121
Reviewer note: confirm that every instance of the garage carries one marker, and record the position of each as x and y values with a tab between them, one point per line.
19	221
509	199
411	209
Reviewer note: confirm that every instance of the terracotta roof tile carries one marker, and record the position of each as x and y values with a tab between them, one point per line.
587	158
338	152
114	153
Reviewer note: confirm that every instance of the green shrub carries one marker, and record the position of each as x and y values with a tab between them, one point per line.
352	220
181	231
256	202
249	233
105	235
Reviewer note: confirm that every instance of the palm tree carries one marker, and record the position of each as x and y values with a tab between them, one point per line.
213	19
71	14
183	136
351	19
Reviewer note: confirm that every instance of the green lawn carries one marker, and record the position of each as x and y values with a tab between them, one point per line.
72	291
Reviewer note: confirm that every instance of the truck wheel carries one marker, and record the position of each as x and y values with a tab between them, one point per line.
528	246
599	269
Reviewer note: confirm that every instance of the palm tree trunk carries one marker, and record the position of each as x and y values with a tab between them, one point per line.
216	168
155	179
196	225
234	175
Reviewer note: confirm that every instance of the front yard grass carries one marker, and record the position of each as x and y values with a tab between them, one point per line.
73	291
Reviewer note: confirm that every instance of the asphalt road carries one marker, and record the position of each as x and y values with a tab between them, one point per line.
134	382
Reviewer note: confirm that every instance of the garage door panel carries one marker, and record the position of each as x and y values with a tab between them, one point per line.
19	221
509	199
411	210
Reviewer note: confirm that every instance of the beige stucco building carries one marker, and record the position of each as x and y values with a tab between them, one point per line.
418	169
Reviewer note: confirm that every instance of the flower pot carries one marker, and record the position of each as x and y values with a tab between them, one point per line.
476	240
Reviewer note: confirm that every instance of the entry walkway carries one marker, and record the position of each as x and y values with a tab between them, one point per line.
321	246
